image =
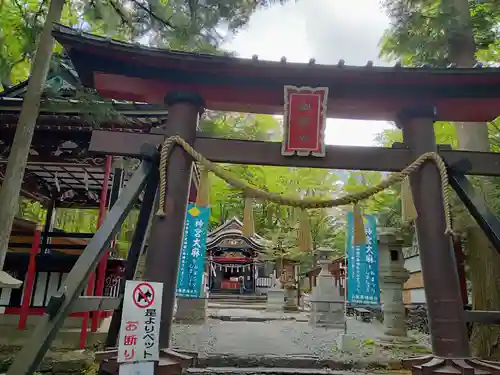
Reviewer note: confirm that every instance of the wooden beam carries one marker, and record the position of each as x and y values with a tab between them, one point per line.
92	303
81	161
30	189
269	153
483	317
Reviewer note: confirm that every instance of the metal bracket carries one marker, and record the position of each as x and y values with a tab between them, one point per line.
150	152
31	355
477	207
54	305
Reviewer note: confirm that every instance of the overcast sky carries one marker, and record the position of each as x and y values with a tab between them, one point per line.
327	30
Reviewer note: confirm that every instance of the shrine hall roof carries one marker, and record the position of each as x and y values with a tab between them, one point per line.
69	115
127	71
59	164
233	229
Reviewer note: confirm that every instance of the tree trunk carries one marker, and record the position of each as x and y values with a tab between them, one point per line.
484	273
482	258
18	158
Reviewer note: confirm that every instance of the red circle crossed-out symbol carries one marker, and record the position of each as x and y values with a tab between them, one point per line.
144	295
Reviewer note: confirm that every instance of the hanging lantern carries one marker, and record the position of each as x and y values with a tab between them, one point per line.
304	121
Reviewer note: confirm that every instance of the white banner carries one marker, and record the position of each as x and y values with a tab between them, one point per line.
140	326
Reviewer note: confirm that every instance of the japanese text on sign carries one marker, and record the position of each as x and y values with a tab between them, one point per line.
362	264
305	116
193	252
140	326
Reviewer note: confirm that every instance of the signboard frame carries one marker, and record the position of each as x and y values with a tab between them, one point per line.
140	324
304	121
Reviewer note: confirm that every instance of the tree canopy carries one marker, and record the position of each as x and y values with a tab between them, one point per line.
177	24
417	34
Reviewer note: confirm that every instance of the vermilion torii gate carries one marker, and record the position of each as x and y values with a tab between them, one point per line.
188	83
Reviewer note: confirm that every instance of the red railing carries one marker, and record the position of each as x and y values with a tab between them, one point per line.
29	280
101	268
19	242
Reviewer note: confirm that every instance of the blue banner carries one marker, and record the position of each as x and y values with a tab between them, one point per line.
362	264
193	252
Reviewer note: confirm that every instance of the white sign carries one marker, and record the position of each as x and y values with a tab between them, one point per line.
140	326
139	368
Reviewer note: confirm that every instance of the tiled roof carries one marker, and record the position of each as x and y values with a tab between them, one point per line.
67	33
125	117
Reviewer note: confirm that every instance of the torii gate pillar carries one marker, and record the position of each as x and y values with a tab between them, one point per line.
442	289
164	246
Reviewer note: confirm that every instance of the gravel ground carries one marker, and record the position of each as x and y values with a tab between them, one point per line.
278	338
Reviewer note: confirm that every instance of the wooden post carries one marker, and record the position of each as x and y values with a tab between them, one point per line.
444	301
136	246
49	224
91	285
460	258
163	253
29	280
101	268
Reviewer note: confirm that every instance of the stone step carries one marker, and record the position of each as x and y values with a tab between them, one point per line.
246	306
236	302
236	297
224	361
261	370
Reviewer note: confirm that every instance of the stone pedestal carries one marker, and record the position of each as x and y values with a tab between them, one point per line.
392	277
275	299
192	310
290	300
327	304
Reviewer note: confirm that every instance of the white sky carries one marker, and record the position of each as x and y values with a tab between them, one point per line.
327	30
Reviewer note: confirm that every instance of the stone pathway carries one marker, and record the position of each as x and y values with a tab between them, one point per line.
274	336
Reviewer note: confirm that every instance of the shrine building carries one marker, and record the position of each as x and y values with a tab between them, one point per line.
232	256
62	175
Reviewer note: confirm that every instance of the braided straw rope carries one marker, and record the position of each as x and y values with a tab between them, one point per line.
308	202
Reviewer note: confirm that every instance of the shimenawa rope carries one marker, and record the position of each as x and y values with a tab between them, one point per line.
308	202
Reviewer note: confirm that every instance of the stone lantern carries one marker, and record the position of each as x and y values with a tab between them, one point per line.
392	276
275	295
327	304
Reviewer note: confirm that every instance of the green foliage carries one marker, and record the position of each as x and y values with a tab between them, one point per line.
385	205
417	33
277	223
177	24
445	135
241	126
31	211
73	220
